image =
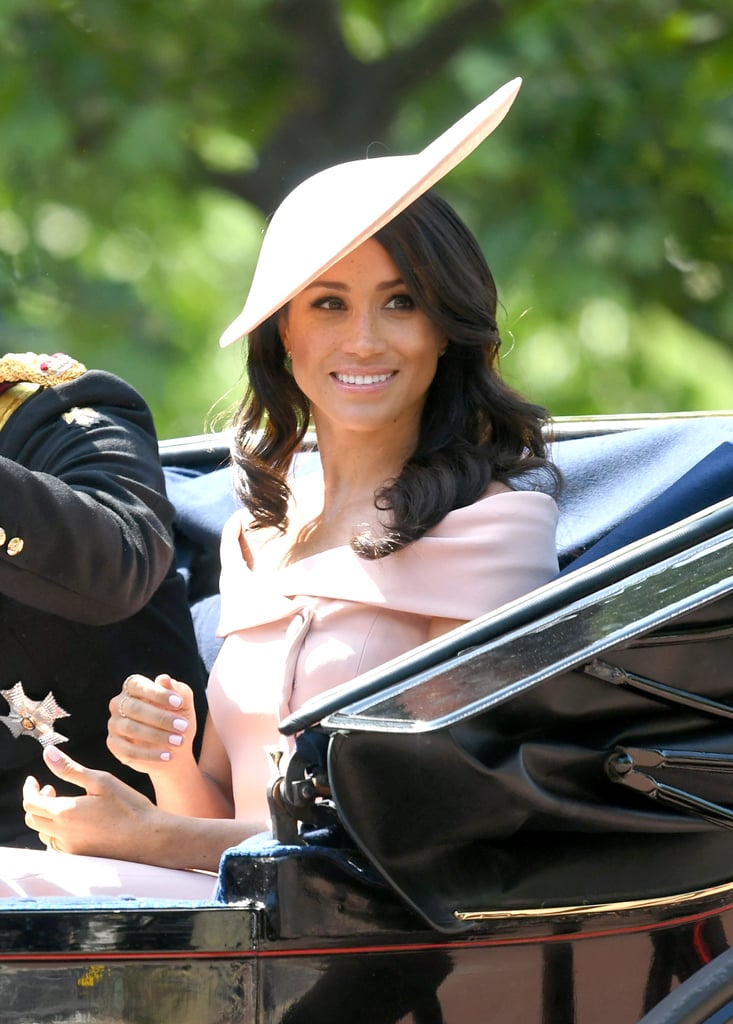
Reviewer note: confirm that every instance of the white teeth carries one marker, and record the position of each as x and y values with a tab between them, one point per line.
365	378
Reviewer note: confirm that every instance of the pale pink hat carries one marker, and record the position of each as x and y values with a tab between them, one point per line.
328	215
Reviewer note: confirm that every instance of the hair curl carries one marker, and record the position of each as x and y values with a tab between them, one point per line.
474	427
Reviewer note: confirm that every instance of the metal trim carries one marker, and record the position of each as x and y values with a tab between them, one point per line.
594	909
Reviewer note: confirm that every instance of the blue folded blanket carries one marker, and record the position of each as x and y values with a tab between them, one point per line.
610	478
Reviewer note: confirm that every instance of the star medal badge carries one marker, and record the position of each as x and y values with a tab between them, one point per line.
34	718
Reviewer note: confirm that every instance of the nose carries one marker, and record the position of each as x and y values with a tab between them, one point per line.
364	336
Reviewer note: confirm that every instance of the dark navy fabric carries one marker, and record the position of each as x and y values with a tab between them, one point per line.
205	615
706	484
332	846
611	477
203	503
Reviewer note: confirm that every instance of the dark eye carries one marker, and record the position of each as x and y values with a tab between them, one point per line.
329	302
401	301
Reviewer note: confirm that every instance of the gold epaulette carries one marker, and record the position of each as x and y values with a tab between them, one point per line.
27	372
13	397
41	369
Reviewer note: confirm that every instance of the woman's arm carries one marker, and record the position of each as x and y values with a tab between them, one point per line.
151	728
206	790
112	820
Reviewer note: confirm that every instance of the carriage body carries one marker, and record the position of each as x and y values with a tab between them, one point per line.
352	957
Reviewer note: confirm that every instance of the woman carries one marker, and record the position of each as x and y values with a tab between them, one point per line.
411	526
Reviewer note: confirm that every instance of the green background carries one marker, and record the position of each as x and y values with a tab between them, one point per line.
142	146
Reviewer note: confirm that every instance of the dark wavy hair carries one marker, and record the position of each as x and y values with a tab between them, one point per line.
474	427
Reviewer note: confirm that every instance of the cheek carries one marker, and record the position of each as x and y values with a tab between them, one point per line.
304	368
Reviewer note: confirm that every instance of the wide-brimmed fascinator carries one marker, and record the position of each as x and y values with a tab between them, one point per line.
331	213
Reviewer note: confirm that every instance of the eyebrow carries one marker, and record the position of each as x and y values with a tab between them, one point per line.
339	286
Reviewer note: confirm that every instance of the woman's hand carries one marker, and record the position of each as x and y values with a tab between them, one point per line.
109	820
151	722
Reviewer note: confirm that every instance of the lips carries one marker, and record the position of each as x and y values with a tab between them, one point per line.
361	379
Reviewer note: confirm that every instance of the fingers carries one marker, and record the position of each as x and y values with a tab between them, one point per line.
150	720
108	820
163	694
36	804
41	807
32	805
64	767
31	789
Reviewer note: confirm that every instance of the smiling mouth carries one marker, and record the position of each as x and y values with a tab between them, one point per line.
363	378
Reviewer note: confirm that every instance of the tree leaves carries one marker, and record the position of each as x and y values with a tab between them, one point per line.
143	145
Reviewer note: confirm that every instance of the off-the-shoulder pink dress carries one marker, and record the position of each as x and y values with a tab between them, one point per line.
315	624
323	620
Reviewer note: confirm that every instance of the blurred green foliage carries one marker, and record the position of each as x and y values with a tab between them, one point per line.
143	145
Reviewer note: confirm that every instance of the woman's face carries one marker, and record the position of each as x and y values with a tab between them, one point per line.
361	350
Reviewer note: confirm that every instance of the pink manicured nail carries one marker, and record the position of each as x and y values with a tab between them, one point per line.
53	753
176	741
165	756
181	724
175	701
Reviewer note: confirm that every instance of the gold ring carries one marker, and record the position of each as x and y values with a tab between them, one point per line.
121	707
53	844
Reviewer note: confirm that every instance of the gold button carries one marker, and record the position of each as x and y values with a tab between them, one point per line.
3	535
15	545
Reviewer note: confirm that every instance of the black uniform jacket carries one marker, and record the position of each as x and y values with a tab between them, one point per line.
88	590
